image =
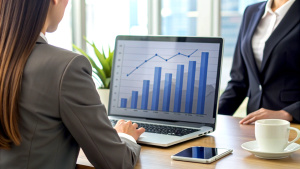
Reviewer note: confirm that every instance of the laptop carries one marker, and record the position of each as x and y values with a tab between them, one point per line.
169	85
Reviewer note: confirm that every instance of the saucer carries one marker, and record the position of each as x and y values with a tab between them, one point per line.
252	147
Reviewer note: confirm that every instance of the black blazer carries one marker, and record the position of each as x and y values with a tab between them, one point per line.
277	85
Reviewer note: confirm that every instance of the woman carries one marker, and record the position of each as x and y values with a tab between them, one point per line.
49	104
266	64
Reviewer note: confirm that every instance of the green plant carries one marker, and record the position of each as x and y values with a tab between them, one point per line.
104	73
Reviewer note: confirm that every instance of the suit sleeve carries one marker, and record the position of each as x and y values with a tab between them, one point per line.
237	87
86	119
294	110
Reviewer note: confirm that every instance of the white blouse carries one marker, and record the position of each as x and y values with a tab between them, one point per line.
43	36
269	21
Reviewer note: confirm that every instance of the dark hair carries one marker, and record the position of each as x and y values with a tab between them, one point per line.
20	24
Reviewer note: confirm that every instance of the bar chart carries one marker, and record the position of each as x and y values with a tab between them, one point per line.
170	87
166	78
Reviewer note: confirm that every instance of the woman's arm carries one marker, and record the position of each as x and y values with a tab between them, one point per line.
237	87
86	119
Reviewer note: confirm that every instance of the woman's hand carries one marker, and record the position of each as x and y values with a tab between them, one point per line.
266	114
128	128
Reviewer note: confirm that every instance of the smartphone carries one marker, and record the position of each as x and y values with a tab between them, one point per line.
201	154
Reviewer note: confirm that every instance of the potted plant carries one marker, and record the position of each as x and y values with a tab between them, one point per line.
100	75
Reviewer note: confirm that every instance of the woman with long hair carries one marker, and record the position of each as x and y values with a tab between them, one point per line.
49	106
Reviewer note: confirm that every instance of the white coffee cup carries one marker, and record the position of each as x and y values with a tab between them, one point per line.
272	135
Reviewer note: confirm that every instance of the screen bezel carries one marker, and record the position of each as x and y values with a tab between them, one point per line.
175	39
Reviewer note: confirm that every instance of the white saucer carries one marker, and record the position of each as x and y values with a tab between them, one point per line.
252	147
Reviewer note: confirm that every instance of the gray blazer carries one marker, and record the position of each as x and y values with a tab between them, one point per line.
60	111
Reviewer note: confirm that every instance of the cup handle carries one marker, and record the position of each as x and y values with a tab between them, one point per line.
298	134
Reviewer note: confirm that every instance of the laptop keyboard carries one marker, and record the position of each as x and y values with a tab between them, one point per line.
161	129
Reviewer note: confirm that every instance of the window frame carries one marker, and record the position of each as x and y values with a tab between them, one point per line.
79	23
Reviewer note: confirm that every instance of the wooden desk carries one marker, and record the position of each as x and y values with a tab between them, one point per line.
229	134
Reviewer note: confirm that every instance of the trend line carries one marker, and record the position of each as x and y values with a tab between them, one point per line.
156	55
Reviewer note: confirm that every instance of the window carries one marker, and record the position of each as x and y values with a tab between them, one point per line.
175	17
107	19
231	18
190	17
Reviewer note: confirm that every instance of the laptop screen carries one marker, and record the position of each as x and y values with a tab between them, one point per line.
168	78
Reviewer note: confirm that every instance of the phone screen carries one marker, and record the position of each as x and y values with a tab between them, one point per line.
201	152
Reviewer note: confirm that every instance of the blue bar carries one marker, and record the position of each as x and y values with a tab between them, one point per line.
145	94
134	99
156	88
190	87
123	103
178	88
202	83
167	92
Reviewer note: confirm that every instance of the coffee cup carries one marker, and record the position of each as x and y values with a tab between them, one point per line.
272	135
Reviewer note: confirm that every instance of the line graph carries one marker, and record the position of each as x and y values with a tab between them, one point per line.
165	59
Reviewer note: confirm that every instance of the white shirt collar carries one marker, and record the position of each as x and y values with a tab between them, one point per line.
280	11
43	36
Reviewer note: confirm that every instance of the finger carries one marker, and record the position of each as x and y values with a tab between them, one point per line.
129	122
257	112
135	125
251	115
242	121
120	121
253	119
247	118
262	110
141	131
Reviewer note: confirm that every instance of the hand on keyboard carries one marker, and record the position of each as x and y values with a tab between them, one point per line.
128	128
162	129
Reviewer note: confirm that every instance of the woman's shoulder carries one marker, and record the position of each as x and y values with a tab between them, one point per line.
48	59
47	51
44	53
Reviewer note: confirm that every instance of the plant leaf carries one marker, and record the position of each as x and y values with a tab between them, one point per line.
101	58
103	52
96	78
98	71
110	58
80	50
103	61
106	62
107	83
87	41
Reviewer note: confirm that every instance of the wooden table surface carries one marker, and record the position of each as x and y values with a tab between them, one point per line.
228	134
